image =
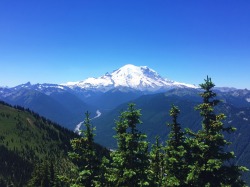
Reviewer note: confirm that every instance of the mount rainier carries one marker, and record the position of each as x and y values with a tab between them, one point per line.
140	78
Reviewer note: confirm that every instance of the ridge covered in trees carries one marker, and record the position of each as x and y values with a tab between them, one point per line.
33	149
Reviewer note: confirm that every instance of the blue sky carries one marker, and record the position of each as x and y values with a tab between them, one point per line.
56	41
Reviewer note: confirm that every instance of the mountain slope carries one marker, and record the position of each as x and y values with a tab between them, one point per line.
155	116
154	109
155	113
25	139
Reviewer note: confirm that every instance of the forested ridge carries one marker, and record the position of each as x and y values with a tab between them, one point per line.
49	155
33	149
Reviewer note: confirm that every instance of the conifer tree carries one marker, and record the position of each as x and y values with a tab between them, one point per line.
104	174
44	175
131	159
157	164
176	149
210	163
84	156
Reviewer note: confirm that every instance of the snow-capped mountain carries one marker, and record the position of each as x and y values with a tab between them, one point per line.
139	78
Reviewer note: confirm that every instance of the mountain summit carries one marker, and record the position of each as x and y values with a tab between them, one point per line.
139	78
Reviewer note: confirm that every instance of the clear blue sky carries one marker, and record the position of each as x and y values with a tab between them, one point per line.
56	41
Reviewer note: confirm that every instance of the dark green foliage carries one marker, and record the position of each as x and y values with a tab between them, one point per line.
85	158
130	166
14	169
44	174
176	154
26	139
32	147
157	164
104	173
210	164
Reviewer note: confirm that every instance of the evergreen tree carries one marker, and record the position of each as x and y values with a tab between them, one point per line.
84	156
130	165
157	164
210	164
105	171
176	149
44	175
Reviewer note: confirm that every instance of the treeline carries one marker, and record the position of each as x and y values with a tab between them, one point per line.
186	158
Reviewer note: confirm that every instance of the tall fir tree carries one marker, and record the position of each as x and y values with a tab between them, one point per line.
176	152
130	165
210	163
84	156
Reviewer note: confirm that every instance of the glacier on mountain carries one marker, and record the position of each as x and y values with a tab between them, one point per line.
139	78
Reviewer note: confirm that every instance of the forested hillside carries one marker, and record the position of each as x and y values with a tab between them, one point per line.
33	150
28	141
